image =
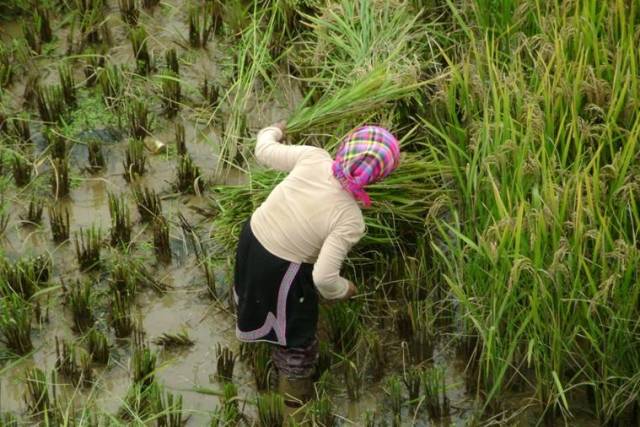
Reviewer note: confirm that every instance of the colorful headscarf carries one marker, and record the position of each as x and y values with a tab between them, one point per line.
365	156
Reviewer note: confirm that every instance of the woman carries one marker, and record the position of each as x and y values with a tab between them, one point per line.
296	241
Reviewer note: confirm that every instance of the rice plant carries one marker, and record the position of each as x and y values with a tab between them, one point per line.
170	413
135	162
67	364
81	302
171	93
21	169
59	222
262	367
143	366
111	82
95	154
7	68
87	243
188	176
50	102
200	27
181	144
396	398
98	347
25	276
120	315
68	85
148	203
60	185
435	393
270	410
58	144
94	64
412	380
120	220
228	413
321	411
37	397
34	212
171	341
344	326
31	37
173	65
139	118
225	362
129	11
15	324
209	93
4	221
138	38
161	239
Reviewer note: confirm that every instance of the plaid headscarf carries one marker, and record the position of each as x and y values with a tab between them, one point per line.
365	156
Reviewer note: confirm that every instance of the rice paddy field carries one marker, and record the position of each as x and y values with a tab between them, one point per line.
498	281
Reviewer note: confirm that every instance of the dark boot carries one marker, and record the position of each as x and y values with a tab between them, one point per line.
296	391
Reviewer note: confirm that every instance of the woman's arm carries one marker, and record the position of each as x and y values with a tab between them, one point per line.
271	153
326	271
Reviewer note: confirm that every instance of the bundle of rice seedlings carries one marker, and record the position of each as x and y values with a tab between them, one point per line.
270	410
60	184
34	212
139	117
59	222
95	154
262	366
352	379
209	93
31	37
58	145
98	346
24	277
181	143
87	244
120	316
94	24
120	220
21	169
138	38
7	67
135	161
8	419
143	366
80	300
111	82
15	324
225	362
161	240
43	25
66	361
435	393
50	103
148	203
344	326
200	25
36	395
394	393
171	93
321	411
412	379
169	341
129	11
68	85
189	178
170	412
93	65
228	413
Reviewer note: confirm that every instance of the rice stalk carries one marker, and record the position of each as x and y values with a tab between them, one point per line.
161	239
81	302
87	243
148	203
129	11
120	220
172	341
21	169
59	222
15	324
138	38
225	362
135	162
270	410
98	347
34	212
60	185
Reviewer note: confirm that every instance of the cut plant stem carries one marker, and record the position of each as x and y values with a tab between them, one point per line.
225	363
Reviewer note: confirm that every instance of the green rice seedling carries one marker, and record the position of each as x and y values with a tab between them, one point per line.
7	67
270	410
50	102
36	396
21	169
68	85
26	276
435	393
228	413
225	362
111	82
60	184
96	156
7	419
122	279
188	178
81	302
59	222
43	25
148	203
352	379
321	411
120	315
86	372
120	220
92	68
139	117
34	213
31	37
143	366
181	144
191	237
87	244
412	379
161	240
15	324
142	403
170	341
173	65
66	362
170	413
171	93
58	145
138	38
20	129
129	11
262	367
344	326
394	393
200	28
98	347
209	93
135	161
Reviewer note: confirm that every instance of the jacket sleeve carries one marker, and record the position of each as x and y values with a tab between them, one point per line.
326	271
271	153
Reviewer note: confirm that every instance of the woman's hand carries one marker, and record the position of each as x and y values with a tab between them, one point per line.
351	291
282	125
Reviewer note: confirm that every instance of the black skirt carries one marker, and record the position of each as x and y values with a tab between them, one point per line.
276	300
